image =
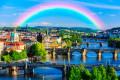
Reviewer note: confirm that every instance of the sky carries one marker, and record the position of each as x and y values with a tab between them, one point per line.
108	11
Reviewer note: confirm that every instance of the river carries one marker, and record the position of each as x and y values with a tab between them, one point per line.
46	73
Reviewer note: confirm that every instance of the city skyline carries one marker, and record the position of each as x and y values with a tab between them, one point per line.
11	10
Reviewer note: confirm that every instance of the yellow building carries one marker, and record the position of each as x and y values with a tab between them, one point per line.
54	45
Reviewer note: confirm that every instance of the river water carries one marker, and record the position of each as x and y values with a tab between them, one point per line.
47	73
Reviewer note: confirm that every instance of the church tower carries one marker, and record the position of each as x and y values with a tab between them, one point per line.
39	36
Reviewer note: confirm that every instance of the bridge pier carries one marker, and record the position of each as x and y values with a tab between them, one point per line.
101	44
68	55
96	39
11	69
99	55
88	44
64	72
115	55
84	52
54	53
83	58
28	71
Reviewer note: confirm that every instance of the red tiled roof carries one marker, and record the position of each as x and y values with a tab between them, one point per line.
14	43
54	38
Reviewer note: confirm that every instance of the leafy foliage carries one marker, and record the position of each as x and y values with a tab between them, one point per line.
114	42
38	49
99	73
13	55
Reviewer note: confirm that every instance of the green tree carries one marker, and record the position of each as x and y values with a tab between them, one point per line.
5	53
69	43
86	75
103	72
38	49
6	58
111	73
74	74
96	74
79	40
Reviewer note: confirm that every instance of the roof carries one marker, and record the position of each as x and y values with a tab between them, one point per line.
13	48
14	43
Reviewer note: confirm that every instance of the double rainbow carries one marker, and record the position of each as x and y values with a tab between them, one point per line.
64	5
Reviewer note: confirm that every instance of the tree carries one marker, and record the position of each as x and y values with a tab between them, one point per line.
74	74
96	74
6	58
13	55
69	43
103	72
5	53
38	49
79	40
111	73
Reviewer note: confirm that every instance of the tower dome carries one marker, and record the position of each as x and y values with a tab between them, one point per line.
14	34
14	37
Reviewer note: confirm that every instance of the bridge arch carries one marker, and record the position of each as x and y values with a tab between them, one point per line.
107	54
91	54
118	55
76	53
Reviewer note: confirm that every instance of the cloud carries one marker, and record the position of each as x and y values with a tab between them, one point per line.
14	14
112	15
2	24
45	23
100	12
98	5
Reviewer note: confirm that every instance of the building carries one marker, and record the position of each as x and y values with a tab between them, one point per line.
51	41
14	37
53	45
39	37
14	43
1	47
53	33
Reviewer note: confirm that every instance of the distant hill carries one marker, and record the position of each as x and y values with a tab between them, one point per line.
79	29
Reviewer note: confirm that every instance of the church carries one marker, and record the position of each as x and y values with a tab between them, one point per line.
14	43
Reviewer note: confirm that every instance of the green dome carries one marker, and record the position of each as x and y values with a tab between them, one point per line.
14	34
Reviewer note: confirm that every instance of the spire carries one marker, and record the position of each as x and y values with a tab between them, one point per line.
40	31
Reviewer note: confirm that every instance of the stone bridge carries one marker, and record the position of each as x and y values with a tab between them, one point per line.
100	43
96	39
83	51
29	68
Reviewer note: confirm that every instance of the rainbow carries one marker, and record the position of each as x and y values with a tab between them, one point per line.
64	5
